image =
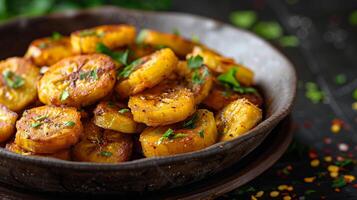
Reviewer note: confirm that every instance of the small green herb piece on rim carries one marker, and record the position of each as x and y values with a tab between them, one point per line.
243	19
190	124
121	57
12	80
64	95
229	80
124	110
69	124
126	71
106	153
179	135
168	134
36	124
195	62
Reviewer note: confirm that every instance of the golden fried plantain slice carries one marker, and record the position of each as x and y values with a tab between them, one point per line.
178	44
64	154
196	133
7	123
115	116
219	64
77	81
103	146
146	72
48	129
112	36
237	118
166	103
138	51
18	79
48	51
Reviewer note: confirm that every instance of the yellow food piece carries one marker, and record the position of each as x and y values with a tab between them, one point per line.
48	129
112	36
138	51
202	134
199	81
115	116
48	51
77	81
166	103
7	123
64	154
219	64
146	72
178	44
237	118
103	146
18	79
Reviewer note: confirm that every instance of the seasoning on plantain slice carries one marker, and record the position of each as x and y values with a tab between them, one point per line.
18	79
115	116
7	123
103	146
195	133
113	36
48	129
77	81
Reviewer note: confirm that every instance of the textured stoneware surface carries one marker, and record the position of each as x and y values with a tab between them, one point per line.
274	75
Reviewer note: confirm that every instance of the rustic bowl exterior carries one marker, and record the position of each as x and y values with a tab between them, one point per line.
274	75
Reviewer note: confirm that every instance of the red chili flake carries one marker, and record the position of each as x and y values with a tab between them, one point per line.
337	122
339	158
307	124
313	154
328	140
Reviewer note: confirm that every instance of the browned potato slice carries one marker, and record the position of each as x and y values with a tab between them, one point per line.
196	133
48	129
48	51
7	123
199	81
113	36
166	103
77	81
103	146
178	44
220	97
146	72
64	154
237	118
18	79
219	64
115	116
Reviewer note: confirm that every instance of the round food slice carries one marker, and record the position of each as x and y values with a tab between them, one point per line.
103	146
7	123
197	132
77	81
64	154
166	103
146	72
237	118
48	51
18	80
112	36
115	116
48	129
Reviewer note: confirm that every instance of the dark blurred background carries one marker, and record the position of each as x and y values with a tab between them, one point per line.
320	38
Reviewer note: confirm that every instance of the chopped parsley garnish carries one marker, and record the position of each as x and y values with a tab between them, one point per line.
269	30
41	117
126	71
106	153
90	74
121	57
56	36
344	163
179	135
195	62
243	19
141	37
94	74
229	80
12	80
199	79
339	182
190	124
64	95
124	110
36	124
201	133
169	134
69	124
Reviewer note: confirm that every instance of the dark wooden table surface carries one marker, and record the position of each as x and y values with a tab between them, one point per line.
328	47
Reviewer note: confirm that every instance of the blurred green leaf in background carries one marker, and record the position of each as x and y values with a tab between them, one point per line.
15	8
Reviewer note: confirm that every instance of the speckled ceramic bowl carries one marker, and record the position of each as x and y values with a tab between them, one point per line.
274	75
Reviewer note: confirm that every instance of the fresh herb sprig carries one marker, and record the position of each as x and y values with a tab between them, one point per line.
12	80
229	80
170	134
121	57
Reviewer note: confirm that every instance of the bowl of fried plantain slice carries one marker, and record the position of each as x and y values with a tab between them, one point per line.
110	100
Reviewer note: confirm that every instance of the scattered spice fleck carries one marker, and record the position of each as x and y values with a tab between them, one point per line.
315	163
309	179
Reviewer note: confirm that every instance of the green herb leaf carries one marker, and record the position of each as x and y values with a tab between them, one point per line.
94	74
340	79
36	124
354	94
229	80
313	93
243	19
69	124
126	71
201	133
121	57
12	80
41	117
190	124
353	18
56	36
124	110
195	62
308	192
339	182
168	134
289	41
344	163
179	135
269	30
198	79
106	153
141	36
64	95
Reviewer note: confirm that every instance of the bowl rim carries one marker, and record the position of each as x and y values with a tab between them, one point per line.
266	125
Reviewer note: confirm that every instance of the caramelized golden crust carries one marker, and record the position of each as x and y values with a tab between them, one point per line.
112	36
77	81
7	123
18	79
64	154
48	129
201	134
48	51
